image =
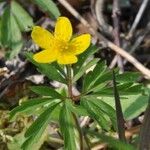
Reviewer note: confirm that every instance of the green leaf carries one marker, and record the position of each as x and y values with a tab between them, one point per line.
47	69
96	113
0	32
35	131
132	106
83	57
28	106
85	68
67	128
124	90
94	75
5	27
60	68
48	6
17	141
10	28
46	91
135	107
80	110
127	77
101	82
112	142
23	19
104	107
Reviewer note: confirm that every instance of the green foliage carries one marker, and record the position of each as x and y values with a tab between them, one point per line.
96	113
23	19
83	58
46	91
84	69
98	71
9	28
47	69
112	143
96	100
97	109
66	120
15	20
36	130
48	6
27	107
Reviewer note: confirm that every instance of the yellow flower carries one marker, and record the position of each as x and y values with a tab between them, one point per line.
59	46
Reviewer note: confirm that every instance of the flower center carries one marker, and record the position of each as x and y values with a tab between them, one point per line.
62	46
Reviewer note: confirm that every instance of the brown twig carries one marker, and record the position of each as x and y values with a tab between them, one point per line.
132	30
116	30
111	45
103	26
137	18
139	40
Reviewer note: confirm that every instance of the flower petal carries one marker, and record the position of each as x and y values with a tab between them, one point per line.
45	56
42	37
63	29
81	43
67	59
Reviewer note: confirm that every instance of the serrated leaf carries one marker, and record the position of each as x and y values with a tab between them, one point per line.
10	28
94	75
127	77
29	106
84	69
124	90
96	113
35	131
101	82
46	91
132	106
47	69
48	6
83	57
66	120
23	19
106	108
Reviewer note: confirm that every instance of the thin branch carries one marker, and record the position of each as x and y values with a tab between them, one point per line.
116	30
103	26
132	30
134	46
138	18
111	45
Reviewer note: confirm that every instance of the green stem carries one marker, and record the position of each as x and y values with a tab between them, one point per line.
69	78
70	94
